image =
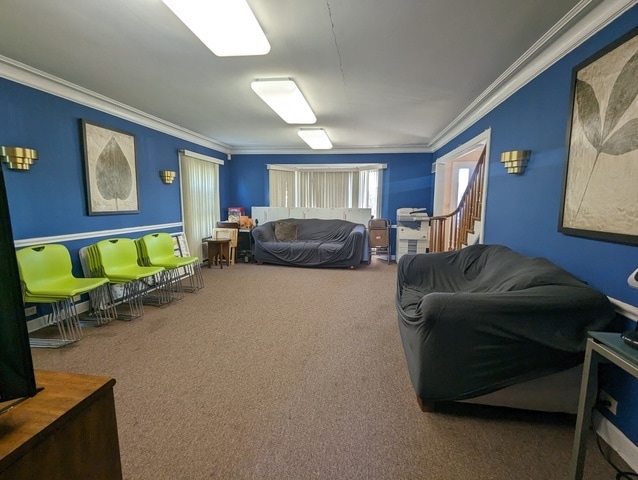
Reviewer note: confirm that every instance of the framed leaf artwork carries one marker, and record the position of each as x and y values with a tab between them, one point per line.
600	190
110	163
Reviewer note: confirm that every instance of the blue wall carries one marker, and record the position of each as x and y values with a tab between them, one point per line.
523	211
407	181
50	199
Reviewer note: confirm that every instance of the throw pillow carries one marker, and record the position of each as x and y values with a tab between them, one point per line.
285	231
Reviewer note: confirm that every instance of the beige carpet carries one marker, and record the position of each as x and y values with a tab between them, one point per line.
289	373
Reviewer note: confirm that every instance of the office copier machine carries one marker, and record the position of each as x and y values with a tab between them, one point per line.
413	227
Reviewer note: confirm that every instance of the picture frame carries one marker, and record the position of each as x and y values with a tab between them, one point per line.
600	194
110	165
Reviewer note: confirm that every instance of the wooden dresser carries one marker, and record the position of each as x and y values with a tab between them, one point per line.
67	431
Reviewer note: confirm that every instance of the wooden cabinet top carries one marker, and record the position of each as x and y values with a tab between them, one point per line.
61	397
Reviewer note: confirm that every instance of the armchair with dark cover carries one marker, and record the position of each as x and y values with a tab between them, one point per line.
484	318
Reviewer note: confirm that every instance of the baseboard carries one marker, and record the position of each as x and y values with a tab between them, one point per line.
616	440
614	437
625	309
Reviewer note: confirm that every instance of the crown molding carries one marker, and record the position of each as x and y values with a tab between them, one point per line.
583	21
34	78
332	151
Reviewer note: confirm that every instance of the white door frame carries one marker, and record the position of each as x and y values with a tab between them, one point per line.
443	169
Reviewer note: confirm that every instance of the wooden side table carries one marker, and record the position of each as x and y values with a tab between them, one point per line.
218	250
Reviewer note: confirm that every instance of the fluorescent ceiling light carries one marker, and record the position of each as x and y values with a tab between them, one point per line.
228	27
283	96
316	138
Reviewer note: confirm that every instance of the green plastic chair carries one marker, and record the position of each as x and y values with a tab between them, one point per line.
123	292
47	270
47	278
118	262
174	281
98	302
157	249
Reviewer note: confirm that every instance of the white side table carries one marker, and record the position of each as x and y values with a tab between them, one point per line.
601	347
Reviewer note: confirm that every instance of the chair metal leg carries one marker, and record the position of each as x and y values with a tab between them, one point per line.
176	288
64	316
193	274
130	297
103	308
156	289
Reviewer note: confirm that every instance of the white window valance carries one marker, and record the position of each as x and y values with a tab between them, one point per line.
201	156
327	167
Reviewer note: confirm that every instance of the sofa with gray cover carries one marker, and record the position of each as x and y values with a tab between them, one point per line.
311	242
486	319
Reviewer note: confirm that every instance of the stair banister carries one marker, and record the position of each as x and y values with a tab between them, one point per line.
451	231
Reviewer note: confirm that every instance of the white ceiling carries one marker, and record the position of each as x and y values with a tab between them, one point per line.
379	74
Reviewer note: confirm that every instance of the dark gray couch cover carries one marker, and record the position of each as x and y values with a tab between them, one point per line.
319	243
486	317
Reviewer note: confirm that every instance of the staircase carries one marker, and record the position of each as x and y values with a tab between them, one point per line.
461	227
474	237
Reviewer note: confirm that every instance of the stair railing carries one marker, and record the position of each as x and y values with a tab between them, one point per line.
450	232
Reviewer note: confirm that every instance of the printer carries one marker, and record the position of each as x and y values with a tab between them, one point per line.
413	228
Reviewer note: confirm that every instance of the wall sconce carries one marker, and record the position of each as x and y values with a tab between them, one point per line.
515	161
18	158
167	176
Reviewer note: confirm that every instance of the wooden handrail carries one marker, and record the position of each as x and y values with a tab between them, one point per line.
450	232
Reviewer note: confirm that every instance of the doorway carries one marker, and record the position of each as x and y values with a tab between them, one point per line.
452	173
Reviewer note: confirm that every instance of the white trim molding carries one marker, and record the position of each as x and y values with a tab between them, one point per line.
352	151
587	18
199	156
584	20
34	78
25	242
625	309
611	434
616	439
479	141
323	167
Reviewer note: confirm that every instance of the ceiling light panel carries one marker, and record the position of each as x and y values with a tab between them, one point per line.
316	138
227	27
285	98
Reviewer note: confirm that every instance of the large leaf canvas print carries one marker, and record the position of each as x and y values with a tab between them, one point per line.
600	195
111	170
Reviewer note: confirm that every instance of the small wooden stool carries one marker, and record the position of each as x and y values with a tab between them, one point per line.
218	250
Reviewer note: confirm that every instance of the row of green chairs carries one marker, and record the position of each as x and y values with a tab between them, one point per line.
47	278
116	259
145	270
117	271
